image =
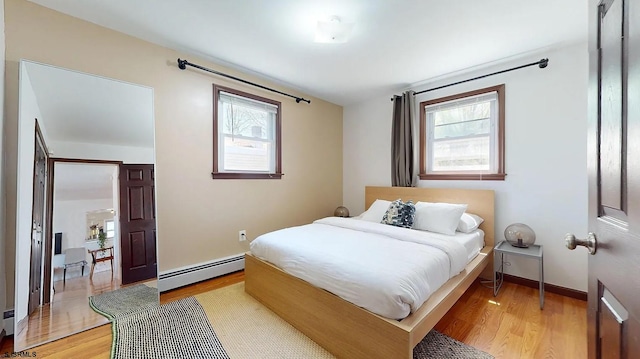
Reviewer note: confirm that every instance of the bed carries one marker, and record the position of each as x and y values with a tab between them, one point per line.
349	331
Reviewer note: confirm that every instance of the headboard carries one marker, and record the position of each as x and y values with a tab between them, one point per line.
480	202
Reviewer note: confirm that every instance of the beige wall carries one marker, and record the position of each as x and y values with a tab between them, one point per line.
198	218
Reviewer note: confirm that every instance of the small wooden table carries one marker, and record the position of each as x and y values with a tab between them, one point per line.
101	255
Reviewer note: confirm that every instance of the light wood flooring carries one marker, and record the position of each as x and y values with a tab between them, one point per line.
512	325
508	326
69	312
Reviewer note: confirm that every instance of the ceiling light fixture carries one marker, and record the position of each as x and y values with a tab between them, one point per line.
333	31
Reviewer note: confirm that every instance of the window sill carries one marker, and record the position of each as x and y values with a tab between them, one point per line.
228	175
464	176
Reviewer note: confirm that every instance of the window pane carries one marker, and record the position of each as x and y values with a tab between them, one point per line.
246	102
109	227
463	136
248	134
463	129
244	154
472	119
247	143
469	154
246	121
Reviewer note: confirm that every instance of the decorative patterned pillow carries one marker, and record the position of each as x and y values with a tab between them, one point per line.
400	214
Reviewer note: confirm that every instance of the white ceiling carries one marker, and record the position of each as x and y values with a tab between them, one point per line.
81	181
395	43
78	107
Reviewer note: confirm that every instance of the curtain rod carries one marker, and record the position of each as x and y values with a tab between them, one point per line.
542	64
182	64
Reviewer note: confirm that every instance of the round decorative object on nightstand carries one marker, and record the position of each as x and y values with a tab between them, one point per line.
519	235
341	212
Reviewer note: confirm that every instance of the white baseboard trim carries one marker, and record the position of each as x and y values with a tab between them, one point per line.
180	277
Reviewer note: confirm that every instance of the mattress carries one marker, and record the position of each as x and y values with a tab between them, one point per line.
473	242
390	271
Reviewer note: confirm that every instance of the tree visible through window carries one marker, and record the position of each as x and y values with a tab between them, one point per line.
246	135
462	136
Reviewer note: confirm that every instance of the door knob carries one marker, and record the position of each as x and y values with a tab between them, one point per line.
591	243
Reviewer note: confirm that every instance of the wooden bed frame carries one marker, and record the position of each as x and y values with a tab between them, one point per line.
348	331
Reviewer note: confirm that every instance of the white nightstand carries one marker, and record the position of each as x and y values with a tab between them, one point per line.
533	251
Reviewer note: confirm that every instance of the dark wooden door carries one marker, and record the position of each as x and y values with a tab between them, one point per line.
37	221
137	223
614	178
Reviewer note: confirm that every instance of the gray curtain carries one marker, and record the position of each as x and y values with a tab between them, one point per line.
402	164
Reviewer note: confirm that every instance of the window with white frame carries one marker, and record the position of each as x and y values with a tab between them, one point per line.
462	136
246	135
110	228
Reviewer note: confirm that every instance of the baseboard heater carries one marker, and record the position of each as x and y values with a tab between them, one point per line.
180	277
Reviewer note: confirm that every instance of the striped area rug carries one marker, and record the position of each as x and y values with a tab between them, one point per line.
124	301
178	329
143	329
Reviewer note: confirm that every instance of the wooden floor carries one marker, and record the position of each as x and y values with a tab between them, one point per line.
508	326
512	325
69	312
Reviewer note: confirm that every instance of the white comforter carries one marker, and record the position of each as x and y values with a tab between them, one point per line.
388	270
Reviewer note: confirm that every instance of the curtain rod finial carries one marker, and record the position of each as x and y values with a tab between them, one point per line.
182	64
543	63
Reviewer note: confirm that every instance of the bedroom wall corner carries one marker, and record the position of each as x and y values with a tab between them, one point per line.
546	133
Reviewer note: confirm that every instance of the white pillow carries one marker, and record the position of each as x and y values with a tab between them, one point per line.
438	217
469	222
376	211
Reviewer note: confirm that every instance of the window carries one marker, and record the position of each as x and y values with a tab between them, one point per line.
246	135
110	228
462	136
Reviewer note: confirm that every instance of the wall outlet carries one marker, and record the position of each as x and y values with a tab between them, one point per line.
242	235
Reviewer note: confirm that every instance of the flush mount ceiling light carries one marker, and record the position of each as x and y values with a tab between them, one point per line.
333	31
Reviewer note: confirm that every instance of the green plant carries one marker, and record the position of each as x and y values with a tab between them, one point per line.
102	238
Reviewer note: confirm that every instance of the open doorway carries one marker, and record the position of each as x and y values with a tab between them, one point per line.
85	224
